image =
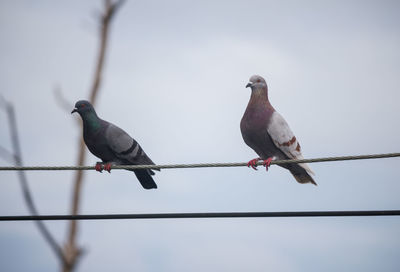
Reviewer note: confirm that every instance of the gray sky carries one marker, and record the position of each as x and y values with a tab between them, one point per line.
175	80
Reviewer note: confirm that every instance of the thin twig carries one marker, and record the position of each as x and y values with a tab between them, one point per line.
17	160
61	100
7	155
71	250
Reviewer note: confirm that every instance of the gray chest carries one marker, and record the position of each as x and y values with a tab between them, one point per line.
98	146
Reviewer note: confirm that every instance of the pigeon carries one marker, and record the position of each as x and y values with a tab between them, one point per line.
268	134
113	145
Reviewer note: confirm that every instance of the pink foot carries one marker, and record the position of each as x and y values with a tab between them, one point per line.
107	167
99	167
253	163
267	163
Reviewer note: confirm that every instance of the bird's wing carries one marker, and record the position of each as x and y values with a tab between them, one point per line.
123	145
284	139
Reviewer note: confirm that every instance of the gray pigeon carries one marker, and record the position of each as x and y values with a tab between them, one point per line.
113	145
268	134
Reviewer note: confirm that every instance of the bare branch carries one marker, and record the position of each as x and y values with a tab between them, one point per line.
71	251
110	10
17	160
113	7
61	100
3	102
7	155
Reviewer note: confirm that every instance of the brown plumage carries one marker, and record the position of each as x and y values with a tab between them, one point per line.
268	134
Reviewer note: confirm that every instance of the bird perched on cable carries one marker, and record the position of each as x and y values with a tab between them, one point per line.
113	145
268	134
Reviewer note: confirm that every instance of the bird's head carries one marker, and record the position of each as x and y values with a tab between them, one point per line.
82	107
256	82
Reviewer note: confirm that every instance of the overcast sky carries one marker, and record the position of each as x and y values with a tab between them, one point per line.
175	79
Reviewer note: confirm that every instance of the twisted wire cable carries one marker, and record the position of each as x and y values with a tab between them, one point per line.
200	165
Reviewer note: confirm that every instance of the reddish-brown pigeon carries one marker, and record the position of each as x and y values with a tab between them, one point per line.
268	134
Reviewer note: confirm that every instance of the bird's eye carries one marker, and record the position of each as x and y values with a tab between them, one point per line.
83	105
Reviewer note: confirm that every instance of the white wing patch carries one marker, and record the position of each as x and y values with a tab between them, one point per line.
284	139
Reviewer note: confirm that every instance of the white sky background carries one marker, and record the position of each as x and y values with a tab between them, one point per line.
175	80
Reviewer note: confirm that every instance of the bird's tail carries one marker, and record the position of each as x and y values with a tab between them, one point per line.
301	173
144	177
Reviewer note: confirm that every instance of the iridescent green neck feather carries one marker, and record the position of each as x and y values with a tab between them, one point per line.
91	121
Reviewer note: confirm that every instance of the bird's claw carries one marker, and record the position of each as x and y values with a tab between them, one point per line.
267	163
107	167
253	163
99	167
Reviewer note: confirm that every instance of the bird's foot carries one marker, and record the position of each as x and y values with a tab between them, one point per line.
253	163
107	167
99	167
267	163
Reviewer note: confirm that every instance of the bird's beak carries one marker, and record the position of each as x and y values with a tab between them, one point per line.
249	84
74	110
